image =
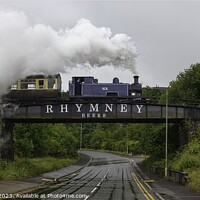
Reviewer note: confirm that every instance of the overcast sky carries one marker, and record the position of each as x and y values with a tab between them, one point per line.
166	33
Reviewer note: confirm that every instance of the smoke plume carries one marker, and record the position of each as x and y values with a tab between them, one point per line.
27	48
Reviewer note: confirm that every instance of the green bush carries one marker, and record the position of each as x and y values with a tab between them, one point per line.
38	140
189	161
23	168
189	158
194	177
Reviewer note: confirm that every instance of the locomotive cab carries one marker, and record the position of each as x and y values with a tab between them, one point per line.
76	86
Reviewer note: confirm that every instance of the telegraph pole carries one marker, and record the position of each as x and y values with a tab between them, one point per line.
81	136
166	135
127	149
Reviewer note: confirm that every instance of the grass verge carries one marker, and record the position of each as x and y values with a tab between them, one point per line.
24	168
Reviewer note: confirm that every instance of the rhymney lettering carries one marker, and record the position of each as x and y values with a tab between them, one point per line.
92	109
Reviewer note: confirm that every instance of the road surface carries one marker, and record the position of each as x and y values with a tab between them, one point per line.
107	177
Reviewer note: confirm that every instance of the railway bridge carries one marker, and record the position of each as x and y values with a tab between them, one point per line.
68	112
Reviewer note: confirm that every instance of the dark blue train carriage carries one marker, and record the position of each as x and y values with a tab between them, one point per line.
87	88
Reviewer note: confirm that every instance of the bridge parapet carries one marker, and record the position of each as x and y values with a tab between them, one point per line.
99	112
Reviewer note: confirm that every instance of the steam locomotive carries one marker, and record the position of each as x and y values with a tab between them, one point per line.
89	89
81	89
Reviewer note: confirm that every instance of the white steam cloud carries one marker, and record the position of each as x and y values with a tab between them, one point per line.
28	49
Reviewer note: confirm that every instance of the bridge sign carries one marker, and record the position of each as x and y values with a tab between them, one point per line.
99	112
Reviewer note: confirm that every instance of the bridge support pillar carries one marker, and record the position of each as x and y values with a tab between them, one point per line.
6	141
187	131
183	134
193	126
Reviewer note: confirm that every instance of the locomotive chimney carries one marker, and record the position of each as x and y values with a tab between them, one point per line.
136	79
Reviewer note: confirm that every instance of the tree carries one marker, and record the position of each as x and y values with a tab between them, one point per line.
37	140
153	94
185	89
32	140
